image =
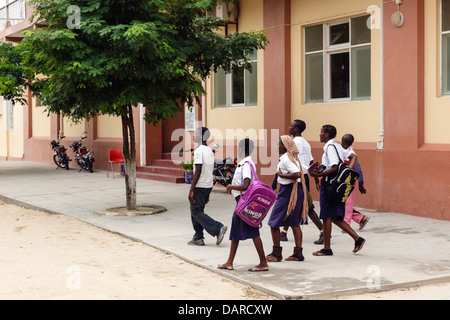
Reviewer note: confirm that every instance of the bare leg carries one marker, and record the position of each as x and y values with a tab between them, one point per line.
346	227
275	236
315	219
233	249
262	256
298	236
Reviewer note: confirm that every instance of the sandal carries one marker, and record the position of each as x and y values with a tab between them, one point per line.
275	256
256	269
363	222
222	267
359	244
323	252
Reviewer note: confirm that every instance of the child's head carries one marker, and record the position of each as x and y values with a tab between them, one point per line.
201	135
347	140
328	132
245	147
297	127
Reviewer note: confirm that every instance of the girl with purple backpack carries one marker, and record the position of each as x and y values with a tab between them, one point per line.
290	206
240	230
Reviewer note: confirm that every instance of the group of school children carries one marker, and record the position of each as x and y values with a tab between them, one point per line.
293	203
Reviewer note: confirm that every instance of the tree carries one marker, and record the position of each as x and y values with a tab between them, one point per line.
15	78
119	53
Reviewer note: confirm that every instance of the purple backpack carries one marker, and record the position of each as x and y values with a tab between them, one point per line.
254	205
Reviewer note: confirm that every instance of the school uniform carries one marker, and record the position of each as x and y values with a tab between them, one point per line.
239	229
330	158
278	216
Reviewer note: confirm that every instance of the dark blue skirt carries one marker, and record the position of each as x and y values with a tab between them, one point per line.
329	209
241	230
280	208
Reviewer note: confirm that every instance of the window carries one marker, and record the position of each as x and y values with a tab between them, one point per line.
445	33
12	11
337	61
239	88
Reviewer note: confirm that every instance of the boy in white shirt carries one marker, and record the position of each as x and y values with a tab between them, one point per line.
200	190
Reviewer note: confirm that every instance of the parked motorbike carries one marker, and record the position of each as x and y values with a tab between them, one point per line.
83	156
223	169
60	157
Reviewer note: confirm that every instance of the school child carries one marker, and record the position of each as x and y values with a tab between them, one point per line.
329	211
289	208
240	230
200	190
361	219
306	159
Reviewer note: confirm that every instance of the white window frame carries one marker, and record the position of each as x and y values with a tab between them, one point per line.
229	90
327	51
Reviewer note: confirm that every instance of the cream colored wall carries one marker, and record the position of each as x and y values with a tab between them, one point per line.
40	121
16	135
72	129
109	127
11	142
437	110
249	119
361	118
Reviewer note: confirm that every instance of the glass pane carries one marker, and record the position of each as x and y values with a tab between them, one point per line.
445	15
361	73
339	33
360	32
446	64
314	38
2	3
237	85
340	75
251	86
17	10
220	89
314	77
2	19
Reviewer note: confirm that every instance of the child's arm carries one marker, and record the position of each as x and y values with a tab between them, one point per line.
198	171
241	187
290	176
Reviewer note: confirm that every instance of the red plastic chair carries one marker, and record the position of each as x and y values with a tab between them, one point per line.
115	156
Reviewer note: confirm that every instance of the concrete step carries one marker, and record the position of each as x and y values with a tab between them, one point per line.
165	163
160	177
161	170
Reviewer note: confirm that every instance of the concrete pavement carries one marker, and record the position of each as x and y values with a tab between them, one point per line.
401	250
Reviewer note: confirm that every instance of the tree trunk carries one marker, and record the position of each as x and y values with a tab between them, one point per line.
129	154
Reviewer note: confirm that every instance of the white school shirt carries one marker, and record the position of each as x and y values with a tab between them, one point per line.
348	152
330	158
242	172
286	166
305	155
203	155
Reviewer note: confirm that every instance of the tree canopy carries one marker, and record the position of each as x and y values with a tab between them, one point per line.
107	56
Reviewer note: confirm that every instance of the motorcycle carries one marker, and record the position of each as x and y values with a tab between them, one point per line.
223	169
83	156
60	157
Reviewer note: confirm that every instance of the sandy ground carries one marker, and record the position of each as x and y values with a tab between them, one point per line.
47	256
